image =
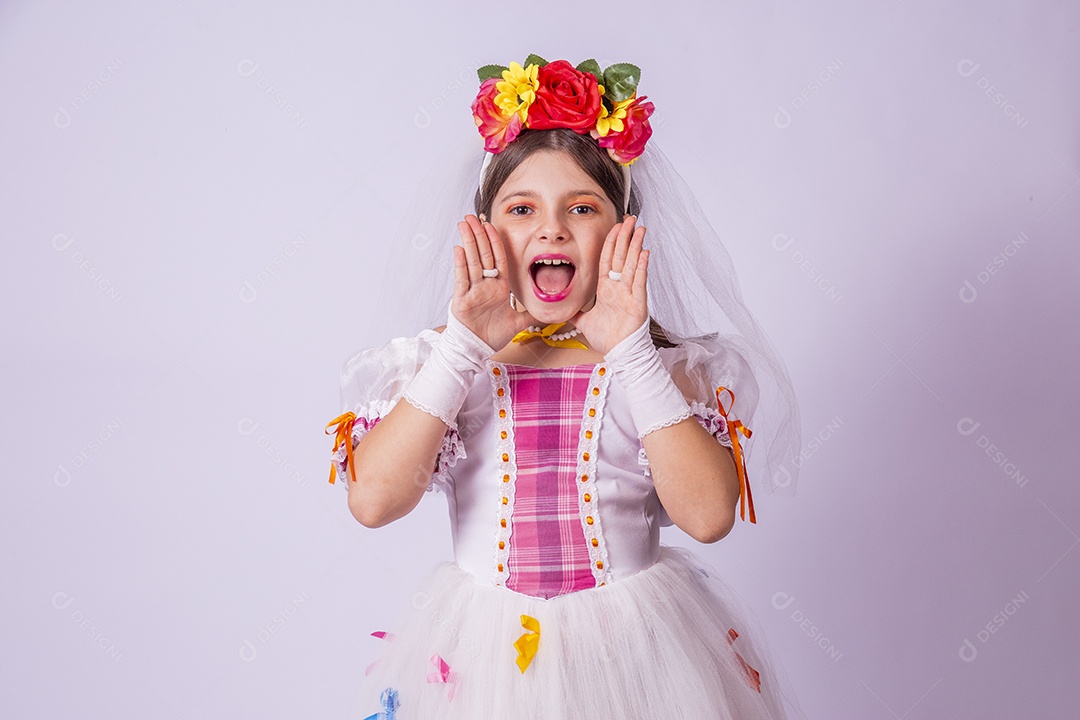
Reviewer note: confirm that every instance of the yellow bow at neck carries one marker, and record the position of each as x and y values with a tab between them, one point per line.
545	335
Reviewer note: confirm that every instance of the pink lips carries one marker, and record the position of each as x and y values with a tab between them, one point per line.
565	291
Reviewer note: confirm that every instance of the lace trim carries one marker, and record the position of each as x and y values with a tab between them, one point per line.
667	423
368	416
451	422
504	448
709	418
586	475
588	443
453	449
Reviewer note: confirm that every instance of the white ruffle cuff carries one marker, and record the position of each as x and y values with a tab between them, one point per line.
452	450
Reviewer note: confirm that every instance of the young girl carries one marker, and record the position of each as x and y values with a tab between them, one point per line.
579	397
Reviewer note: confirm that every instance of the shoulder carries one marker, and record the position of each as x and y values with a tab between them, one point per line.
674	359
700	364
705	351
399	352
375	376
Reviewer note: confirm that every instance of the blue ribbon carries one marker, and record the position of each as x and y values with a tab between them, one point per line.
389	701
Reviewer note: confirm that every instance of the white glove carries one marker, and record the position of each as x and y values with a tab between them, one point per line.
446	377
654	399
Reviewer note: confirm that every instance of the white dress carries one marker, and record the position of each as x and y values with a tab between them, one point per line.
653	632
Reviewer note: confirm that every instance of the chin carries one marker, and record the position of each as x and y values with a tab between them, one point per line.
545	313
548	315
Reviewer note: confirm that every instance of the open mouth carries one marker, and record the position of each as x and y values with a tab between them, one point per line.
552	276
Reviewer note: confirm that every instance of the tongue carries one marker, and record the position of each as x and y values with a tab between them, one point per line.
553	279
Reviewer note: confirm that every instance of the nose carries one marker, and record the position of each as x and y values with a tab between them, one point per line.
552	226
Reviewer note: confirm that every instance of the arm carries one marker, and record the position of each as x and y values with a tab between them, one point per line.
394	463
695	476
395	460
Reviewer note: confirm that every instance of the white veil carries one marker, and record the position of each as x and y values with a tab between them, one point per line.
692	286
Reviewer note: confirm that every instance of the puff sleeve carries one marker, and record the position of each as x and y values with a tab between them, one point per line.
701	365
372	382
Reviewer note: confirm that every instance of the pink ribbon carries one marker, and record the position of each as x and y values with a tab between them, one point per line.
443	674
385	636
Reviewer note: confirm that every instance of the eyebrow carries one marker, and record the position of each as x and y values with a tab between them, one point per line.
534	194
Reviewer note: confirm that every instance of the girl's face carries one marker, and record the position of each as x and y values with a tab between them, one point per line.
550	209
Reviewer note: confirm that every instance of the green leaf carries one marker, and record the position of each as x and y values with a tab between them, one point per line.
621	81
490	71
534	60
591	66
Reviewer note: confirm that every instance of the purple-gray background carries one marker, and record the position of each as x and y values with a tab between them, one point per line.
194	198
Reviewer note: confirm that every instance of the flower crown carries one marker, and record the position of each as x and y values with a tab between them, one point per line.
542	95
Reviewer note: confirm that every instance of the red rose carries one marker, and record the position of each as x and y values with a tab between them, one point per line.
566	98
497	129
625	146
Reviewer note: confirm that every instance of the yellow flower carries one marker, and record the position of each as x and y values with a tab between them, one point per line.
613	121
517	90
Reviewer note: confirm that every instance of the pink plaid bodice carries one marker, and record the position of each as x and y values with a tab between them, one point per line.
548	552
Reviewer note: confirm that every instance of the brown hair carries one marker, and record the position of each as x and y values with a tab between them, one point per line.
592	158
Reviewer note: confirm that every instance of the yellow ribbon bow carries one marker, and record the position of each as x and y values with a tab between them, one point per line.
736	426
545	335
344	424
529	642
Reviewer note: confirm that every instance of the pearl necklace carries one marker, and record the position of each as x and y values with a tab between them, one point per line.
555	336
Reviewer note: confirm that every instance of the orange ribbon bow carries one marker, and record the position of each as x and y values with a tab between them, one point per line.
344	424
736	427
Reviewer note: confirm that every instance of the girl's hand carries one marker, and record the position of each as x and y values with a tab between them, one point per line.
483	303
621	305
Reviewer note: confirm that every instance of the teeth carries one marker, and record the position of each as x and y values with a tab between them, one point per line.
553	261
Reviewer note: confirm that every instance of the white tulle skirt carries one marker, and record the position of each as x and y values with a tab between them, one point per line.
672	641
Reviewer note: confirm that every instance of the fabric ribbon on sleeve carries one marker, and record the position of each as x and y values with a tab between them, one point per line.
443	674
344	424
545	335
529	641
746	500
